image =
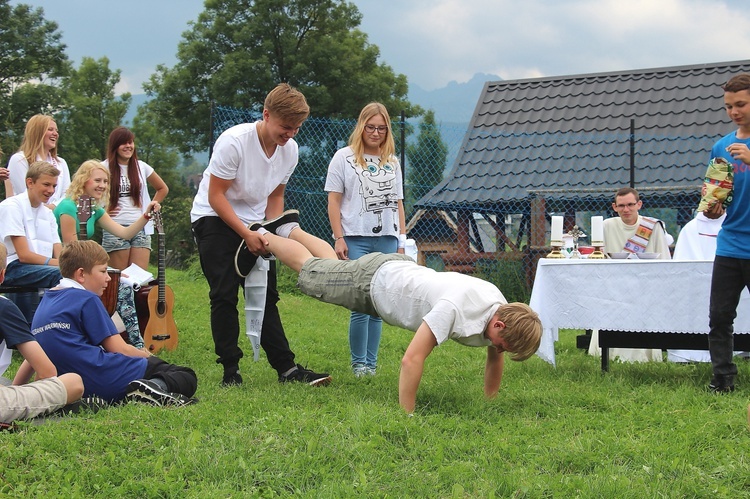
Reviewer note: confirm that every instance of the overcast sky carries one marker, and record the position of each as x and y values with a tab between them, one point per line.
434	42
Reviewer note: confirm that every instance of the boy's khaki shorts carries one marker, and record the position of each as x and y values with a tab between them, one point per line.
344	282
31	400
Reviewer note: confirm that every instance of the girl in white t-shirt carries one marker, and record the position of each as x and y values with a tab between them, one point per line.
366	211
129	199
39	144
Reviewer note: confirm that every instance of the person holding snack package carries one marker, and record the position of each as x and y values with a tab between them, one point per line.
731	270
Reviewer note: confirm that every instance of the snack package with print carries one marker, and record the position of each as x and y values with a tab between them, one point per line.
717	186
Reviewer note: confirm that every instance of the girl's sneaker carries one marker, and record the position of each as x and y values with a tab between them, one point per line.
359	370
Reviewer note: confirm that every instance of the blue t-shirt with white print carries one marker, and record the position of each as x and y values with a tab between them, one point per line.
734	237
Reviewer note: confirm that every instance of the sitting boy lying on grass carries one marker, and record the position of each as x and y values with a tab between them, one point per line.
436	305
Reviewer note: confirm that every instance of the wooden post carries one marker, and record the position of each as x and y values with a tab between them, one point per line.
464	225
538	224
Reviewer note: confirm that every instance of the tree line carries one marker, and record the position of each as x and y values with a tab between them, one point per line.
232	55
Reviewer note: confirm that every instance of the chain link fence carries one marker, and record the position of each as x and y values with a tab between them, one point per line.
500	238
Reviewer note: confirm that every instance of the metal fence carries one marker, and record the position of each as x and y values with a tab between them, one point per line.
501	245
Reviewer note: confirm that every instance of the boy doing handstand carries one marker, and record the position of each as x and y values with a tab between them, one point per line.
436	305
75	330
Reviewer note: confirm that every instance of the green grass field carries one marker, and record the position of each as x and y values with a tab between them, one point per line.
638	431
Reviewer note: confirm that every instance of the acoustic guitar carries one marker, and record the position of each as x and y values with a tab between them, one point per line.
161	330
85	210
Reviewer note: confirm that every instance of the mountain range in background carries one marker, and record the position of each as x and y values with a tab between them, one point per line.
453	104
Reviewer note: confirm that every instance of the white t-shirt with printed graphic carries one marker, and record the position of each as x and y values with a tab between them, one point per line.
370	195
128	212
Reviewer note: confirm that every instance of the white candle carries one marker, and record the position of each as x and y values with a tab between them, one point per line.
556	231
597	230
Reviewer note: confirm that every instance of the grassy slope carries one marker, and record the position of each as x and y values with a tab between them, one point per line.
638	431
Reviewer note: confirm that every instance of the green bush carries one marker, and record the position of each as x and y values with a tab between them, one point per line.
508	275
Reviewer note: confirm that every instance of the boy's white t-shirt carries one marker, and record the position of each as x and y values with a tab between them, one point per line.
238	156
38	225
455	306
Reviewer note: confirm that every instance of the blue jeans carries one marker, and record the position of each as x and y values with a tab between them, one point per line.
365	330
32	276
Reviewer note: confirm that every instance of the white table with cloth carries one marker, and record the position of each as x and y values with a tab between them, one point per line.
625	295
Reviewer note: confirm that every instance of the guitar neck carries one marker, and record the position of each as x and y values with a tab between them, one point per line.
162	278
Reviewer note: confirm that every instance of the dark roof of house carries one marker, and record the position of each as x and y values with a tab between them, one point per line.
568	138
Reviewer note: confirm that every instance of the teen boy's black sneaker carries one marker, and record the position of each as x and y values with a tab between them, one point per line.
721	385
303	375
91	403
231	377
144	390
244	261
289	216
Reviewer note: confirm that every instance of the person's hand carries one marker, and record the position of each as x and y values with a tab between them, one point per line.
256	243
153	206
740	151
4	173
715	210
342	250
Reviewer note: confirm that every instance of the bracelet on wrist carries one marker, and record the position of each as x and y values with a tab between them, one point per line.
337	238
46	262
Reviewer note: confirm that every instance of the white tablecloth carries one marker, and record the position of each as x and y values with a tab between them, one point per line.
625	295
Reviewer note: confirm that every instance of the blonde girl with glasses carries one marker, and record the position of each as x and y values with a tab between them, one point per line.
366	211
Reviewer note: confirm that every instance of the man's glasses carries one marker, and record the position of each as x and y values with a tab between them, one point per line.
629	205
372	129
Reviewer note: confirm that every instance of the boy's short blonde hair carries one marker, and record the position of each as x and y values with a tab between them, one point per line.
523	329
3	256
287	103
81	255
39	168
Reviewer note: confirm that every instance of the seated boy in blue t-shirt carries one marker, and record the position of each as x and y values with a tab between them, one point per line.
49	392
75	330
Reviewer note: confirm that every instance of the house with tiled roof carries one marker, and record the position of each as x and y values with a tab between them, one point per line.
564	145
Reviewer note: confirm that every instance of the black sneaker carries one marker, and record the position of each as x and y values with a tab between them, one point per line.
244	261
289	216
721	385
231	377
91	403
144	390
303	375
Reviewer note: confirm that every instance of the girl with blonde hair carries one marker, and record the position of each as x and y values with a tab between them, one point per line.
366	211
39	144
92	180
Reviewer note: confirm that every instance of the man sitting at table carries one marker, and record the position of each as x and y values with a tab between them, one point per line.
632	233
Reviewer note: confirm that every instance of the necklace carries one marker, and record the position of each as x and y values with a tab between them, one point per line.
262	142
